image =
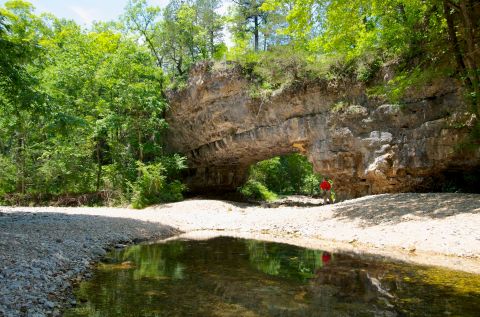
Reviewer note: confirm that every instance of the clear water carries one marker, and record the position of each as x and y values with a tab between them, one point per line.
237	277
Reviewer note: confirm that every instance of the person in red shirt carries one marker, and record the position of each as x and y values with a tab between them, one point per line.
326	257
325	188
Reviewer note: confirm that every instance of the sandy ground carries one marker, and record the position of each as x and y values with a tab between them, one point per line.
437	229
447	224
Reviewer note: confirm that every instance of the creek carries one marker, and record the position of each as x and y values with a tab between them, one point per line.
237	277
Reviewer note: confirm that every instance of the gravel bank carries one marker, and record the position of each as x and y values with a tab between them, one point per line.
41	254
43	249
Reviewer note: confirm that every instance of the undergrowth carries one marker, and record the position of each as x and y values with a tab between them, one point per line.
286	175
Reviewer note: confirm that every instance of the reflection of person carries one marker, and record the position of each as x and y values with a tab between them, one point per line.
325	188
326	260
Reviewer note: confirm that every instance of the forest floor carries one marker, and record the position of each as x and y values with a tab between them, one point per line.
42	249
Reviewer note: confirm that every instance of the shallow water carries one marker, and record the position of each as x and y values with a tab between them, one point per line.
237	277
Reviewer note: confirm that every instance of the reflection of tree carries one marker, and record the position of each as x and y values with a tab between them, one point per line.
234	277
261	259
280	260
154	262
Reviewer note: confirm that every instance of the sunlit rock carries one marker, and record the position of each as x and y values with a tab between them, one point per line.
365	144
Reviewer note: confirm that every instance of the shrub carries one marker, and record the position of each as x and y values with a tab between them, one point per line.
172	192
408	80
311	184
8	175
149	184
256	190
173	165
154	183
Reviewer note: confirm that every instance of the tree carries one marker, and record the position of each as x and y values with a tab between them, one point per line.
81	110
463	22
211	26
180	35
141	18
20	101
352	28
248	18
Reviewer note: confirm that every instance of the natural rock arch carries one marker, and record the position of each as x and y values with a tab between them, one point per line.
366	145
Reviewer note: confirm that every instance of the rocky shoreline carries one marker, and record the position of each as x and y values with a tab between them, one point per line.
44	251
42	255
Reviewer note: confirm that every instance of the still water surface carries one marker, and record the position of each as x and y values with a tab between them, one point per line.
237	277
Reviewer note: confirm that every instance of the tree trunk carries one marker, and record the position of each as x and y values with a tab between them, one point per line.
470	49
99	166
212	44
140	146
179	66
453	37
154	50
255	32
21	154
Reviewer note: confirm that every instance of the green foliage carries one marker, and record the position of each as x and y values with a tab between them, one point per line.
79	108
286	175
256	190
279	68
367	67
339	106
182	34
18	43
149	184
248	22
152	185
310	184
353	28
7	176
283	66
353	39
173	164
395	89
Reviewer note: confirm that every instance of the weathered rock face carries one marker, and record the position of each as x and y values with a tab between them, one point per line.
365	145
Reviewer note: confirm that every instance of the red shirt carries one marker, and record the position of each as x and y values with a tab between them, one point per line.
325	185
326	257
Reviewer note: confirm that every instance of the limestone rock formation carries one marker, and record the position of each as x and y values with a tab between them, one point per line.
366	145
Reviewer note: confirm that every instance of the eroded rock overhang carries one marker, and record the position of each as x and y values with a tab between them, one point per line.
366	145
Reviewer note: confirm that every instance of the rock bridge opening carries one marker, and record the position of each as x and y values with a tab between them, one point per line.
229	174
290	174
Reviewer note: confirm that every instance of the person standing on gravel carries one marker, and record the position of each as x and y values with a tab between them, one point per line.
325	188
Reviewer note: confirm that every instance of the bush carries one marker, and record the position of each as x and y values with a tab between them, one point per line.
368	66
8	175
172	192
408	80
149	184
283	66
311	184
153	184
278	68
256	190
173	165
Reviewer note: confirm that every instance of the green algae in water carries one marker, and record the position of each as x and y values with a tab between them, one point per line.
236	277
